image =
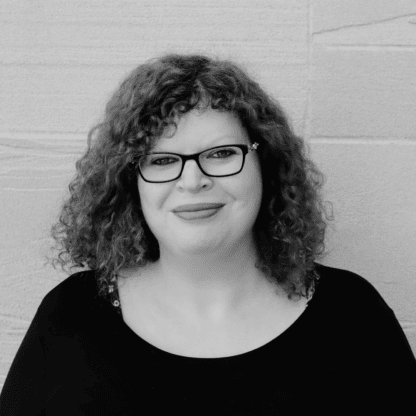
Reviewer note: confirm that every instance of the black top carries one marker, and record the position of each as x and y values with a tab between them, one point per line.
346	352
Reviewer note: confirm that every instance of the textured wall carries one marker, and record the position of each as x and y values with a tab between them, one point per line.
343	70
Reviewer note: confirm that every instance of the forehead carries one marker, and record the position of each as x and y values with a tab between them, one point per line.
198	130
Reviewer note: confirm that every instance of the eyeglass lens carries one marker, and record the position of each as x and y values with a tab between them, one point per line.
221	161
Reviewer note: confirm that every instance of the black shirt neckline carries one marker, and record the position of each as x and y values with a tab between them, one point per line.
297	327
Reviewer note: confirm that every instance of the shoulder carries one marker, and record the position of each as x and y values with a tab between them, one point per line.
349	307
72	300
361	325
344	289
345	281
79	285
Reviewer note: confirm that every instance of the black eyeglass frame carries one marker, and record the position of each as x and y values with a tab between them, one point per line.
195	156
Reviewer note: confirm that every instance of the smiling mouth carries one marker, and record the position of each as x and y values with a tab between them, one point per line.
195	215
197	207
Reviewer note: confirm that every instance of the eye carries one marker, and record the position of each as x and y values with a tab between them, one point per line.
160	161
223	153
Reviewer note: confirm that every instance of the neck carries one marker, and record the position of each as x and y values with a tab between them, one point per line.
214	285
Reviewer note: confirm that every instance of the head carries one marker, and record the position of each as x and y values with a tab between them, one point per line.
239	193
114	219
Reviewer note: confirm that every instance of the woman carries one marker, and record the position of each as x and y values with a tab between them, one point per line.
199	217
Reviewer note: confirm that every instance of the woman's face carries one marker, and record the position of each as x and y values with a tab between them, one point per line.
241	194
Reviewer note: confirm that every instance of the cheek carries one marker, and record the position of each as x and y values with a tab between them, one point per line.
152	197
254	195
248	191
253	181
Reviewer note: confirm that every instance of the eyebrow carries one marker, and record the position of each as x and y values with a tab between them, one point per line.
213	144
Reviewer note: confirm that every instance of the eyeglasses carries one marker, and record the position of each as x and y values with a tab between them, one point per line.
217	161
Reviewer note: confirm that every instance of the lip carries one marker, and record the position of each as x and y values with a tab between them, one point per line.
197	207
197	216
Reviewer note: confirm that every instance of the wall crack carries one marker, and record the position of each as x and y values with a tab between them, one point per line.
374	22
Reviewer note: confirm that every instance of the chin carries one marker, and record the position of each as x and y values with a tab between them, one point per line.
197	246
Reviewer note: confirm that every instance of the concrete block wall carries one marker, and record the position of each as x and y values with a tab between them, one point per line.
345	72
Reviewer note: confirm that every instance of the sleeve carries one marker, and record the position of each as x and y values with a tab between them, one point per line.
388	365
23	391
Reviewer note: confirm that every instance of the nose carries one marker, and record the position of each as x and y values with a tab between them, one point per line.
192	178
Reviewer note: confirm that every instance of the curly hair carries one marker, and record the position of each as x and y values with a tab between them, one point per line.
101	225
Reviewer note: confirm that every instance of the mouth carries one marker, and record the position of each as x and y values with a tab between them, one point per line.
198	207
197	215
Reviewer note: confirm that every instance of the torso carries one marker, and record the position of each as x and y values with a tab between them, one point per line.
180	334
